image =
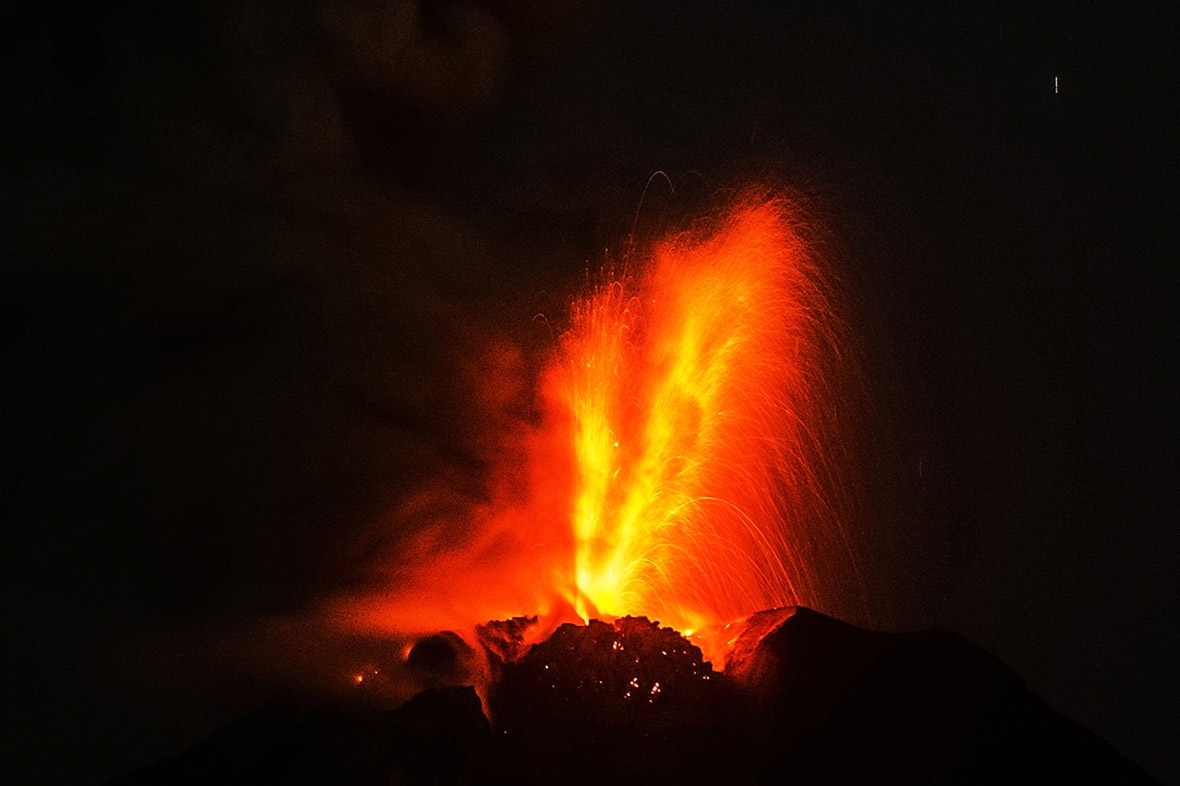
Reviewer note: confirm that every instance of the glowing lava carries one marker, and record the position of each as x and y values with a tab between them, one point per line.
687	467
694	394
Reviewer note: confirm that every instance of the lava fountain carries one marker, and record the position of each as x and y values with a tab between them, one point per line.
687	472
693	396
684	469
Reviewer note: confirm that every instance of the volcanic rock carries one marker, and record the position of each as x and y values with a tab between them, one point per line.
847	705
804	699
629	702
443	660
439	736
504	640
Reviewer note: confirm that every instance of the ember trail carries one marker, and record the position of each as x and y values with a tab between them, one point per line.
693	397
686	466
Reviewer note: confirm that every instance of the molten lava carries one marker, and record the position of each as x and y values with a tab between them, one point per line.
683	470
693	396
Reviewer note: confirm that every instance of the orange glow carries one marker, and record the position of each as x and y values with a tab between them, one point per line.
683	467
691	391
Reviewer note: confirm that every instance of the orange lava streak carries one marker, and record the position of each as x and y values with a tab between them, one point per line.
687	468
693	396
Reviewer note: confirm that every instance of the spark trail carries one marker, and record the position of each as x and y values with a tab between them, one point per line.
688	466
697	401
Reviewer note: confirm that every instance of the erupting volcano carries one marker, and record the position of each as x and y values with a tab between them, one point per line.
685	472
682	469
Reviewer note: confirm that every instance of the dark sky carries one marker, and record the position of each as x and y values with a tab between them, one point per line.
269	268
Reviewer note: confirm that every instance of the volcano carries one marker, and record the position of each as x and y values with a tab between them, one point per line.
692	459
803	698
689	468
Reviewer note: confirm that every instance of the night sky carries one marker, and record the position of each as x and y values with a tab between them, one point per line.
271	272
